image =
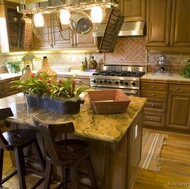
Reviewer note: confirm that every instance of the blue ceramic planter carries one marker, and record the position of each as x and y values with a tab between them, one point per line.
63	107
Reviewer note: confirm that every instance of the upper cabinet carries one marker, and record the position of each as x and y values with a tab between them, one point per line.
10	25
168	25
132	9
54	37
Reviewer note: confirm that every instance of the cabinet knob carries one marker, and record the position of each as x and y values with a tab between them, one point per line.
177	88
153	87
152	119
153	94
152	105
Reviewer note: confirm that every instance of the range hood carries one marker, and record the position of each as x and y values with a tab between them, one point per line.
133	28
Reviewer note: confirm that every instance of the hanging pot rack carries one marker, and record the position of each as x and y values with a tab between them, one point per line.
47	7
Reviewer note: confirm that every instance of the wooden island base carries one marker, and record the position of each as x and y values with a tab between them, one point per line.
115	139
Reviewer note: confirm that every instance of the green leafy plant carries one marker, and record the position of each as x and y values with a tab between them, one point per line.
13	66
186	70
47	86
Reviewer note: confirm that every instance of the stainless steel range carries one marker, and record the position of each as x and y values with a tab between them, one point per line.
124	77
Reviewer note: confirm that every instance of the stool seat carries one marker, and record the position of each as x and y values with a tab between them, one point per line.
64	153
19	138
72	150
16	140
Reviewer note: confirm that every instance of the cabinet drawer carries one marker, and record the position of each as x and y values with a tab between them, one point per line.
154	120
179	88
154	94
155	105
154	86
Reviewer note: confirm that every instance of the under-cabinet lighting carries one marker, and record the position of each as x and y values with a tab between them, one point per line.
38	19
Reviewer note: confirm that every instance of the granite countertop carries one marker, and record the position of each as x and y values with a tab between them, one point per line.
110	128
166	78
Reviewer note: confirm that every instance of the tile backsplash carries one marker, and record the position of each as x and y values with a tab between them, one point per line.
130	50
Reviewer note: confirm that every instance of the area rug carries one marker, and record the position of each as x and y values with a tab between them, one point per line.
151	146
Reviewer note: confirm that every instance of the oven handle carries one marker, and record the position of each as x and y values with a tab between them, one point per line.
127	92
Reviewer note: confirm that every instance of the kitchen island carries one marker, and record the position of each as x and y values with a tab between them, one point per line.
115	139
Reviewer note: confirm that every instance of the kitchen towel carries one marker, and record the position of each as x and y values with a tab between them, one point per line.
151	146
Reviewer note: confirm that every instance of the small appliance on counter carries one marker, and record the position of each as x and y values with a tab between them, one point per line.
162	66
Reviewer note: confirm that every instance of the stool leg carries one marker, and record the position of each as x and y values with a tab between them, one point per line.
1	164
48	174
91	172
20	164
74	176
39	154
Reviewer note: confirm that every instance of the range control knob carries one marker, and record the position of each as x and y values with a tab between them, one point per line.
133	83
100	81
121	82
109	82
126	83
105	81
93	81
116	82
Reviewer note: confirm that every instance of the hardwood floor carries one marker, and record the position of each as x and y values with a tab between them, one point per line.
174	173
175	167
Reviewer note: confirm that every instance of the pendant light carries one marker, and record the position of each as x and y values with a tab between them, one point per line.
38	19
64	16
96	14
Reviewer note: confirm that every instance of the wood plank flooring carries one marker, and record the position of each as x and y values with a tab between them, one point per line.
174	173
175	167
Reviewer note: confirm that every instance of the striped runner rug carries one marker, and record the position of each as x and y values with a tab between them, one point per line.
151	146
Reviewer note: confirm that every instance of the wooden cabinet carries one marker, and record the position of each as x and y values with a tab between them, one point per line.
132	9
179	107
5	87
165	24
155	110
52	37
11	26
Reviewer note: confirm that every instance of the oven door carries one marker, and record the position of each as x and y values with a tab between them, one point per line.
129	92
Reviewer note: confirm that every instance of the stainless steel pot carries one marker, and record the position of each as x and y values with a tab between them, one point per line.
80	22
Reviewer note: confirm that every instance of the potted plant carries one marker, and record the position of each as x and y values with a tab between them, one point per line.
13	66
186	70
59	95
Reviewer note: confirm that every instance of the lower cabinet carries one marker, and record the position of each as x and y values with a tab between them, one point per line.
156	106
167	107
5	87
179	107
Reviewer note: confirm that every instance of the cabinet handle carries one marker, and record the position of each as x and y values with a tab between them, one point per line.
177	88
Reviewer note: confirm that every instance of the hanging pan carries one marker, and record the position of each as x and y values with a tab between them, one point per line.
80	22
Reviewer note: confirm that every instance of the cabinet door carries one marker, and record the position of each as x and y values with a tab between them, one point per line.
85	41
158	22
13	26
52	35
132	9
179	111
180	35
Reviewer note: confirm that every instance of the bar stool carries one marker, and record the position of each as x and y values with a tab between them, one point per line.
64	153
16	140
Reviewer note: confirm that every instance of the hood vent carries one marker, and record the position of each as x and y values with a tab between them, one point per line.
133	28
